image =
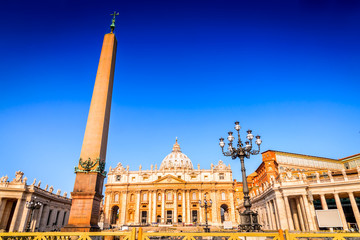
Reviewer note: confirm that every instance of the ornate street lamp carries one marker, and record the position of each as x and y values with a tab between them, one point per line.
248	218
32	205
206	205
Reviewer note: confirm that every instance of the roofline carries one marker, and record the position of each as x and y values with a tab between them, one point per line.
332	159
349	157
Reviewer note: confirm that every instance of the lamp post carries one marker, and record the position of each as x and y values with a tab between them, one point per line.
248	218
206	205
32	205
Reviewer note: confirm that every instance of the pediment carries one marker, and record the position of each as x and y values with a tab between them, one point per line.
169	179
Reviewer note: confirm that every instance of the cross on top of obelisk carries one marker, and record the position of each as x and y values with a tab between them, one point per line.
112	26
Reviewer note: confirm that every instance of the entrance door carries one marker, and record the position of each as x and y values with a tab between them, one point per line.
169	217
224	213
143	217
194	214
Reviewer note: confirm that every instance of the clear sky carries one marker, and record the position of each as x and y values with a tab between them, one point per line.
288	70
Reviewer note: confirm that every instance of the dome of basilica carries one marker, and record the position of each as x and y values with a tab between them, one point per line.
176	159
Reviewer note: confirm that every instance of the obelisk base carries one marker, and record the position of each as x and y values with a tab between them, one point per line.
85	206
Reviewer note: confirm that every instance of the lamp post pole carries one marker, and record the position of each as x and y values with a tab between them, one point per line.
249	221
32	205
206	205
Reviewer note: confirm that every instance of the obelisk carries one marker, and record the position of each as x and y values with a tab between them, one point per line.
90	174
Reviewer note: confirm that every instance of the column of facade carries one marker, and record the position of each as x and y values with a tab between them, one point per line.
154	206
232	207
123	208
60	218
38	219
341	211
272	224
15	215
107	211
201	210
2	209
188	215
183	206
354	208
323	202
272	214
175	218
281	212
310	217
280	224
137	208
294	214
214	208
288	213
301	218
43	218
268	215
150	207
303	213
163	207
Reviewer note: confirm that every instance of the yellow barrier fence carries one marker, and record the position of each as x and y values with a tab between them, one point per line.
130	235
325	235
204	235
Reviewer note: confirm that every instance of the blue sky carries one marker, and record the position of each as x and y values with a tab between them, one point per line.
288	70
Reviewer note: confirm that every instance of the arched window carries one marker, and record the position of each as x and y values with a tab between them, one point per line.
223	196
145	197
116	198
179	197
169	196
194	196
159	197
131	197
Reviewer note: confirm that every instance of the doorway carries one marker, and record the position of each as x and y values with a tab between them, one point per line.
143	217
224	213
194	216
169	217
114	214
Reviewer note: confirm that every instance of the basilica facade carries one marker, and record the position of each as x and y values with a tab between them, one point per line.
170	194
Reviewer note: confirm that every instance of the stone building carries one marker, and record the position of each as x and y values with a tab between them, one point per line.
52	214
287	189
169	195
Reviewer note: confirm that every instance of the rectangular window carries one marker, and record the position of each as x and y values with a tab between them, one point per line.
133	179
221	176
118	177
159	177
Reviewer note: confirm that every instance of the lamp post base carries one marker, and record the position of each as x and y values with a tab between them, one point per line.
249	222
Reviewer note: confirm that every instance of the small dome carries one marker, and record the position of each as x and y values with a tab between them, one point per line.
176	159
